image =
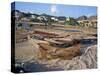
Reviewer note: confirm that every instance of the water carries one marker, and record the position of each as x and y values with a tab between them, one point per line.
86	43
70	30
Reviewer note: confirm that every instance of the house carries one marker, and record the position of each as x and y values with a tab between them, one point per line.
33	16
25	19
54	18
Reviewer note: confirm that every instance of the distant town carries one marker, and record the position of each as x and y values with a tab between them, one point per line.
82	21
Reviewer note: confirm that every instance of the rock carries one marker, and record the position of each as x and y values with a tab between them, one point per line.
53	41
68	53
47	51
90	57
63	42
87	60
34	44
25	51
63	58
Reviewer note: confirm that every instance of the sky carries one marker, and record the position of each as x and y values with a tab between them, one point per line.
56	9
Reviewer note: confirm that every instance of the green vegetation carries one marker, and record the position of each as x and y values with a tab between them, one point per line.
72	22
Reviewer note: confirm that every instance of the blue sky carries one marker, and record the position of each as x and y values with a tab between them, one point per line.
56	9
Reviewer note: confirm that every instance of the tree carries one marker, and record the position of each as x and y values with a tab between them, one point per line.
72	21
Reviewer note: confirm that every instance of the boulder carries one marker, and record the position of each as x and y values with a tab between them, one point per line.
63	42
88	60
63	53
